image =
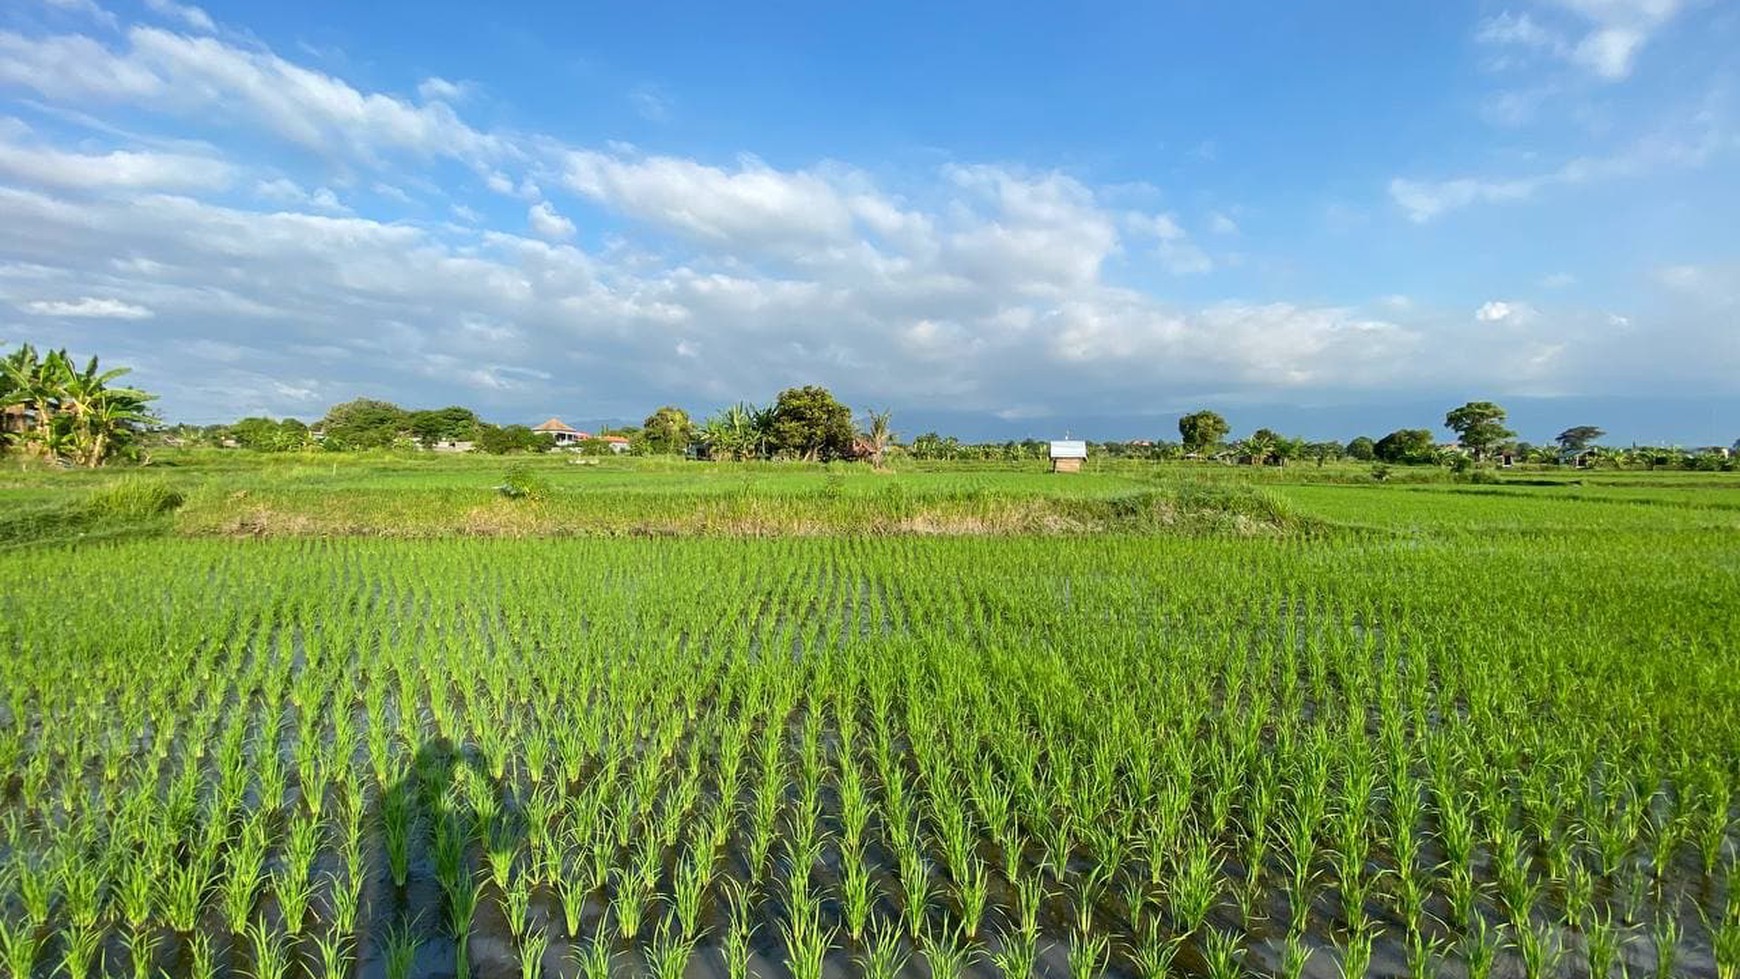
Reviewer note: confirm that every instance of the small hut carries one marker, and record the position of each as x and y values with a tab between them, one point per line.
1067	455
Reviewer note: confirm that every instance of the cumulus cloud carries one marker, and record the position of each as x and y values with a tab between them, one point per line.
201	77
970	287
88	308
546	223
45	166
1494	311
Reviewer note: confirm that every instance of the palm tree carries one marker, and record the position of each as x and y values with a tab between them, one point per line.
878	435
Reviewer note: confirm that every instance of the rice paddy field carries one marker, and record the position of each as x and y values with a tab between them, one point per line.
1162	724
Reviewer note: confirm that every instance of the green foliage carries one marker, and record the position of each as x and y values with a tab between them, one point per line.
364	424
1202	431
62	412
1406	446
450	424
668	430
1578	437
1362	449
808	423
505	439
1479	426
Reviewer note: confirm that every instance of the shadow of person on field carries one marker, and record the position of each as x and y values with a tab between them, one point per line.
435	827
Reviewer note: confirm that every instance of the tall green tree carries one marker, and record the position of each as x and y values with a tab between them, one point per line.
1406	445
1362	448
810	423
1479	426
1578	437
1202	430
668	430
450	424
364	424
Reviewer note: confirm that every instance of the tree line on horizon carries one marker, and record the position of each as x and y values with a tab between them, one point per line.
52	409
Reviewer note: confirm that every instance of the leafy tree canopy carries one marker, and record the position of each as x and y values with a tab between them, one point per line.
809	423
1407	445
1479	426
1578	437
1202	430
668	429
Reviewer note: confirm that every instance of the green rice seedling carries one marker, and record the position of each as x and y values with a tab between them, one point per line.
1666	936
1221	953
883	956
294	890
142	944
631	903
915	884
1356	954
1015	957
20	946
399	952
944	953
271	955
1539	950
1601	946
516	906
530	952
241	883
1423	955
1030	895
1479	948
1196	886
857	893
734	947
337	961
972	889
1725	940
396	831
594	959
1295	955
670	952
571	895
82	882
202	957
135	889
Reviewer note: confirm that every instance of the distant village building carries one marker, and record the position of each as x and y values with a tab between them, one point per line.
560	433
451	445
1067	455
617	443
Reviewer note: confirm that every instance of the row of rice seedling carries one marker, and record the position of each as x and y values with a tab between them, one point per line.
899	757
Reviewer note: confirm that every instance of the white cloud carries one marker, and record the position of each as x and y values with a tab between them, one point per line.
88	308
86	8
1602	37
973	288
118	170
1495	311
442	90
203	77
1684	146
546	223
188	15
280	190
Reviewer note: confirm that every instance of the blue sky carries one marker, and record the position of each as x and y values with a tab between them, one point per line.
1006	219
